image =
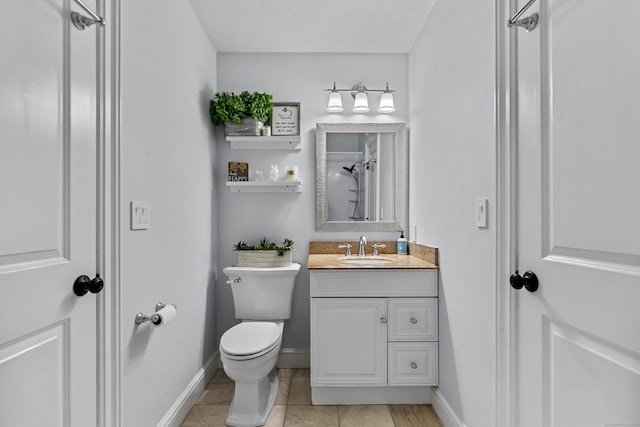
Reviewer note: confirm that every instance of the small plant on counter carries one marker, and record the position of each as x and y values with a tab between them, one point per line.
265	245
227	107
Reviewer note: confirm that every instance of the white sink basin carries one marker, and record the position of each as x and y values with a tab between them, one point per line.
365	260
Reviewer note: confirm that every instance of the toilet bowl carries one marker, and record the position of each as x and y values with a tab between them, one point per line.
249	350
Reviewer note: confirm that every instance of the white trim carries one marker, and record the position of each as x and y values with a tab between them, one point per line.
103	359
294	358
190	395
447	415
111	368
505	363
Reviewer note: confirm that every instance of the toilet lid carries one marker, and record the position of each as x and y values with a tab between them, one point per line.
249	338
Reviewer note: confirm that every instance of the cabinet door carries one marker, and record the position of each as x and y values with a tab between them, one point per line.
348	341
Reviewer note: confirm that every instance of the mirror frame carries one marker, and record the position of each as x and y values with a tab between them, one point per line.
400	132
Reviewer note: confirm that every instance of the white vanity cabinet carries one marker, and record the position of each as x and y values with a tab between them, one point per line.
374	335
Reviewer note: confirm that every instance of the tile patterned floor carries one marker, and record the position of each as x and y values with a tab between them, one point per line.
293	407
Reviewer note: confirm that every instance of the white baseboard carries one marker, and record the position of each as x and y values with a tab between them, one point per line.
181	407
446	414
294	358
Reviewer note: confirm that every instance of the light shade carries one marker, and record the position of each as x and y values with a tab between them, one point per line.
386	103
361	104
335	102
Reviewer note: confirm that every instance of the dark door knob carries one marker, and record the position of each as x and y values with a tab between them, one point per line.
516	281
83	284
529	280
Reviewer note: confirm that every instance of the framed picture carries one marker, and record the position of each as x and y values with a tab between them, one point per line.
285	118
238	171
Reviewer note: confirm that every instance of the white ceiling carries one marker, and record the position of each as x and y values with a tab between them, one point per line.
314	26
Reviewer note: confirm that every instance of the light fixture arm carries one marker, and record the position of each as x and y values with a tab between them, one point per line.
358	87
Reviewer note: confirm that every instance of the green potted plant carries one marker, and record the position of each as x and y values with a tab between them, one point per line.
243	114
264	254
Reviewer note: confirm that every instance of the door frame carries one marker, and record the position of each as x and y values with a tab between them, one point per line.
109	369
109	137
506	354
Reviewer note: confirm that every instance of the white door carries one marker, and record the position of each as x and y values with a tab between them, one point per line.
47	216
579	214
348	341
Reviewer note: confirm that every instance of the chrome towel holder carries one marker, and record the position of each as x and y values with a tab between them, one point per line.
81	22
528	23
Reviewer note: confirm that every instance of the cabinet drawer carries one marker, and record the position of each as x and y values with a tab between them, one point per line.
413	363
413	319
374	283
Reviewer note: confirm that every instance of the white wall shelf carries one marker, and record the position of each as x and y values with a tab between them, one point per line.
293	142
265	186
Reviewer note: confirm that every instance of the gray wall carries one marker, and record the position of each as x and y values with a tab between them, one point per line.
452	162
168	75
172	158
249	216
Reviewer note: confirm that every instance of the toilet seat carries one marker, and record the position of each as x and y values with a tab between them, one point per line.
249	340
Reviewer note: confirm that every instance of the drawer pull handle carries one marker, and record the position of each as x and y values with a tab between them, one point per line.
414	320
383	320
414	365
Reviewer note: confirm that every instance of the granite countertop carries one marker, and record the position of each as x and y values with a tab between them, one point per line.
335	261
326	256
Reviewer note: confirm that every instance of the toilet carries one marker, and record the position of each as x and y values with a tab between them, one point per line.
262	299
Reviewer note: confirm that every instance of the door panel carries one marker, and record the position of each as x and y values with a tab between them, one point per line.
35	368
47	216
589	102
575	363
578	210
35	125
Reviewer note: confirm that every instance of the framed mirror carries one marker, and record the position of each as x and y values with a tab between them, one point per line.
361	176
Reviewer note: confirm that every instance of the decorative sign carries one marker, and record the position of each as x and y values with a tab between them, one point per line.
238	171
285	118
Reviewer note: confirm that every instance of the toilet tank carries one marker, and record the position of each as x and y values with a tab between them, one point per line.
262	293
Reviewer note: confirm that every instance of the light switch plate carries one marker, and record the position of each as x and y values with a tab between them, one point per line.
140	215
481	212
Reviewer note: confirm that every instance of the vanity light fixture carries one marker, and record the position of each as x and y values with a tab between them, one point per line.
335	101
361	101
386	102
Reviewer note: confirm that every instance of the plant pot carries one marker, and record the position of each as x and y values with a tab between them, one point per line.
247	127
264	259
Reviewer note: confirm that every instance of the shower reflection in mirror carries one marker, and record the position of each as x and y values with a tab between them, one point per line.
359	187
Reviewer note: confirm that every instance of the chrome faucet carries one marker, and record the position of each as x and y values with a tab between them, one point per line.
363	243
